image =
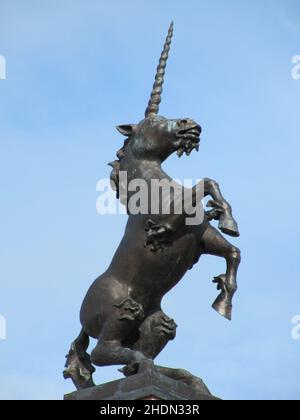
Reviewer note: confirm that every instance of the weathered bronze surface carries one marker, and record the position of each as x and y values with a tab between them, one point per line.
122	308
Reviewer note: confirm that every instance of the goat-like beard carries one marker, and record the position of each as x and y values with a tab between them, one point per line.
187	142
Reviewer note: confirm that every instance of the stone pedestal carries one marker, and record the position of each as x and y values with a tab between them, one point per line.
147	384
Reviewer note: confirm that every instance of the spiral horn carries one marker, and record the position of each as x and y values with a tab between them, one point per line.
155	99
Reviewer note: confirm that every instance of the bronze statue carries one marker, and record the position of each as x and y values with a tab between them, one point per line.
122	309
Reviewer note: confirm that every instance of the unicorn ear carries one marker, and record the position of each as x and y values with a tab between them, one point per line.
126	130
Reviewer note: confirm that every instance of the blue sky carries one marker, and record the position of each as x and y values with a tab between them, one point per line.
76	69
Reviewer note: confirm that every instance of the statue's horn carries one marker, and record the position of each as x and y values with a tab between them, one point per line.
153	105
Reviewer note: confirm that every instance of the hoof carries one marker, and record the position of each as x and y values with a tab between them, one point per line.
133	367
223	308
229	226
223	303
129	370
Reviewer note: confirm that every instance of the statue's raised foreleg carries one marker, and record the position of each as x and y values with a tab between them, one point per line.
221	209
161	229
214	243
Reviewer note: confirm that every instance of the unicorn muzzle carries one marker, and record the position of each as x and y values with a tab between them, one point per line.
188	137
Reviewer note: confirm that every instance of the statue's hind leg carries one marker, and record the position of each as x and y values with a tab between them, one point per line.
214	243
122	321
154	333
